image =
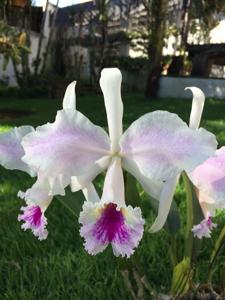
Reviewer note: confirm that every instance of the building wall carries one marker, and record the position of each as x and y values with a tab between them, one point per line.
173	87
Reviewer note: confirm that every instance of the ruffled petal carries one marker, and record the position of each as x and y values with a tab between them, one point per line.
110	83
38	194
104	224
204	229
162	145
11	150
34	219
209	178
70	146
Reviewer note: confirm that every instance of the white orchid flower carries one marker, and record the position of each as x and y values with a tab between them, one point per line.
209	178
40	195
107	221
166	196
155	148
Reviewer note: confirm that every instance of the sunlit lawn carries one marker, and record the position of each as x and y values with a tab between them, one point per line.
59	268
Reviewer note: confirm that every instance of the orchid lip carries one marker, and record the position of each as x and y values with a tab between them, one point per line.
104	224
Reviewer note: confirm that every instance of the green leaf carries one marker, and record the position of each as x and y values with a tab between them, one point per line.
194	216
173	219
215	252
131	192
182	275
72	201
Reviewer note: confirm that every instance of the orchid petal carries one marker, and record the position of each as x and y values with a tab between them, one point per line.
162	145
69	146
151	187
90	193
79	182
209	178
208	204
113	190
197	107
165	202
34	219
69	100
104	224
110	83
11	150
38	194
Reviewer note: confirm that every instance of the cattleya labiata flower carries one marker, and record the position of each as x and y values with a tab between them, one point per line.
72	150
209	178
109	220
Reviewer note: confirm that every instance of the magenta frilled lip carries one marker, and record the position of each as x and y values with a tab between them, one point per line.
35	220
104	224
111	226
204	229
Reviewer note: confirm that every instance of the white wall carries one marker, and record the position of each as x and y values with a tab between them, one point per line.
174	87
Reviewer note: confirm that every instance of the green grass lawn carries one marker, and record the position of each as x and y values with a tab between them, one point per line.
59	268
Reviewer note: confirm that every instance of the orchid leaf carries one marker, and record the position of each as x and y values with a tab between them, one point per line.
132	195
194	216
72	201
217	247
182	274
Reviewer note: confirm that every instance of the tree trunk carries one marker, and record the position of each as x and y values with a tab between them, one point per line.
185	20
48	47
157	13
38	60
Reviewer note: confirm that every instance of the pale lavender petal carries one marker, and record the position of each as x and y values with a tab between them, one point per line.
80	182
70	146
105	224
161	145
11	150
204	229
35	220
38	194
209	178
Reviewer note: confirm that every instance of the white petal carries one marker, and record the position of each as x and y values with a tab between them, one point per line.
11	150
161	145
151	187
165	202
70	146
38	194
113	190
197	107
110	83
209	178
90	193
69	100
79	182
